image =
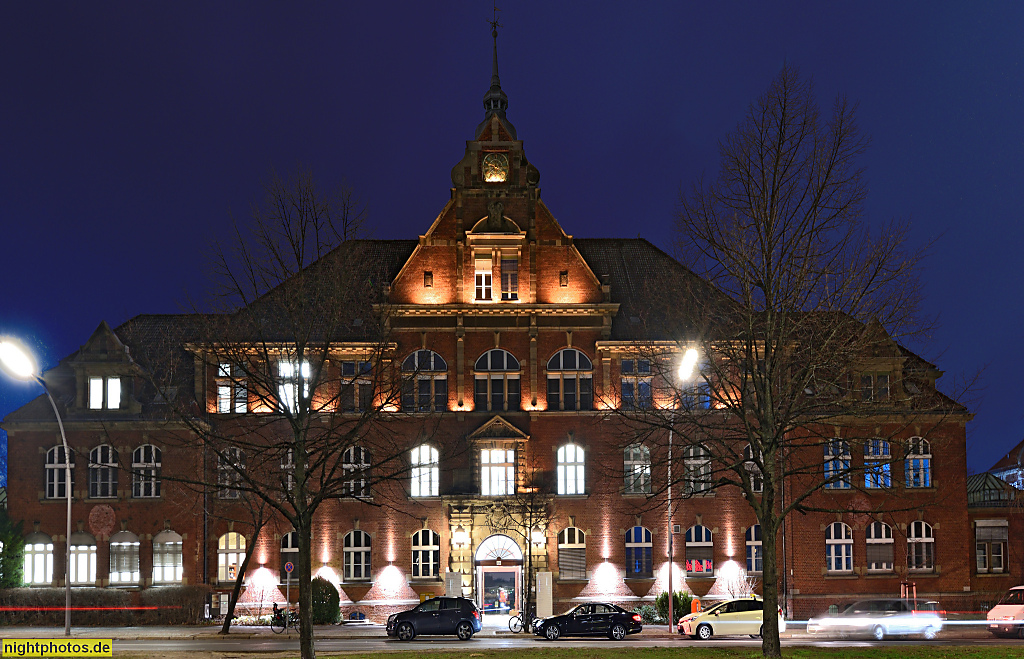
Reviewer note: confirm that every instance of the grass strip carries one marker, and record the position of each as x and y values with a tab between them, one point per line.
886	652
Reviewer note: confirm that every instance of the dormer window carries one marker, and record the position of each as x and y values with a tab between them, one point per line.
484	275
509	278
874	386
104	393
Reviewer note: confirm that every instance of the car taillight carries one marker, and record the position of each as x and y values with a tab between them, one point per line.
476	613
636	617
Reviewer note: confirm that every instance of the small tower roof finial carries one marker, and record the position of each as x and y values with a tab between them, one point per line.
495	100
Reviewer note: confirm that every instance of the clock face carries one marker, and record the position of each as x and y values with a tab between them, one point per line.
495	168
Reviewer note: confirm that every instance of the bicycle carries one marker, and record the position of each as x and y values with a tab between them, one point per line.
278	622
515	623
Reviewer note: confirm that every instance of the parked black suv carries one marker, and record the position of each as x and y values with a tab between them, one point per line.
439	615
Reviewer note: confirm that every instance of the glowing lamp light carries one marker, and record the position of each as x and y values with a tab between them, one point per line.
606	579
460	537
688	364
330	575
391	581
16	361
537	536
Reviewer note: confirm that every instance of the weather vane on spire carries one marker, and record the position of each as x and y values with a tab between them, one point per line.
494	21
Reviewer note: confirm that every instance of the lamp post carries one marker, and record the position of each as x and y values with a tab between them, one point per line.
685	374
19	364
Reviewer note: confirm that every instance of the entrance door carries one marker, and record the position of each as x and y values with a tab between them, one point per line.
499	591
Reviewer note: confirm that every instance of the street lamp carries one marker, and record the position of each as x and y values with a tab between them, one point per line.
686	371
19	364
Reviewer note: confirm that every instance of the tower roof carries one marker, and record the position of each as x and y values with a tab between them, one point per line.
495	100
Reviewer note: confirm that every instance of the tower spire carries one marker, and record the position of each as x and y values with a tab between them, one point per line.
495	100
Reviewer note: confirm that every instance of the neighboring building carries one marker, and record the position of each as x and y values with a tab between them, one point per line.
997	524
522	336
1010	467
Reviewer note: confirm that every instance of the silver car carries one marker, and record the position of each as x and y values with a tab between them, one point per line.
878	618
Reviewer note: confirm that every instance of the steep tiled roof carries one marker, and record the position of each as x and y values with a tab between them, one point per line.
1012	459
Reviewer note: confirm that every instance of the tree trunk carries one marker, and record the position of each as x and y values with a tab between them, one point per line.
250	549
770	645
305	533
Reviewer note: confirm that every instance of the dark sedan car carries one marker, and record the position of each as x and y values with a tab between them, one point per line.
597	619
439	615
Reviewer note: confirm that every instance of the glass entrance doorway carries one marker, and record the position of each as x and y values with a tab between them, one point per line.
499	570
500	591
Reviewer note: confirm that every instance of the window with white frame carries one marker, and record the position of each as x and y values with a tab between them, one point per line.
837	465
920	547
483	275
874	386
290	554
293	382
356	386
570	381
755	553
103	472
639	553
232	393
425	463
426	554
838	547
83	559
146	463
496	382
497	472
104	393
879	547
230	462
124	558
230	554
572	554
425	382
754	474
38	559
167	557
570	469
636	465
509	277
917	466
56	473
636	384
357	556
355	465
991	536
700	550
877	460
696	469
288	470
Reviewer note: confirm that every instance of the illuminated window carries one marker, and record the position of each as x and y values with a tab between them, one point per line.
292	379
879	547
571	478
920	547
838	547
357	556
874	386
38	559
572	554
104	393
229	465
103	472
124	558
83	559
837	465
696	469
56	473
426	554
917	466
570	384
755	554
700	550
497	381
355	464
877	464
754	474
990	537
497	472
509	278
167	558
230	553
424	382
425	471
146	462
638	553
483	275
636	465
290	554
232	394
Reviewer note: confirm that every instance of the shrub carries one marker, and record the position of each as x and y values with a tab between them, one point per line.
110	606
649	614
178	605
326	602
12	554
680	604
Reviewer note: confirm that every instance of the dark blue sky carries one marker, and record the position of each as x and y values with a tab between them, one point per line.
132	131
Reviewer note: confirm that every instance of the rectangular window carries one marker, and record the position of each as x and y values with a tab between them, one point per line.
95	393
291	377
509	279
991	537
104	393
113	393
874	386
484	272
497	472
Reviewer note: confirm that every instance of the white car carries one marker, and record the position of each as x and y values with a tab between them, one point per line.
1007	617
879	618
735	617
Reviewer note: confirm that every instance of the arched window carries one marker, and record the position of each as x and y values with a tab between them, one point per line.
636	465
426	554
497	382
497	472
696	469
425	463
918	463
877	471
425	382
146	463
879	547
700	550
920	547
837	465
355	463
571	477
124	558
38	559
753	470
103	472
83	559
230	462
56	487
290	554
572	554
755	555
167	557
638	553
838	547
230	553
570	383
357	556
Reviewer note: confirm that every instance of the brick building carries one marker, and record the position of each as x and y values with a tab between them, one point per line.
521	339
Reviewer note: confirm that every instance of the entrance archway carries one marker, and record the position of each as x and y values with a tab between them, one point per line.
499	568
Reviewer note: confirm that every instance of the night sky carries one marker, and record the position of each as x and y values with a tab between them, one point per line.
131	132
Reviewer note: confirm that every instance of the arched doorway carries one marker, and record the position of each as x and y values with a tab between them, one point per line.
499	566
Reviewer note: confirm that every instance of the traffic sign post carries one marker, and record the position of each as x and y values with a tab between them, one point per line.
288	567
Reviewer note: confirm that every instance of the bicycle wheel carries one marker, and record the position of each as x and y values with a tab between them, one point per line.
515	624
295	622
277	624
